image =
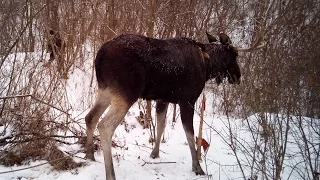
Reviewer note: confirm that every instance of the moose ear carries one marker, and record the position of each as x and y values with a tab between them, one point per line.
224	39
211	38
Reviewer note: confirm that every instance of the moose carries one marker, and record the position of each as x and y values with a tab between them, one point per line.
55	46
174	70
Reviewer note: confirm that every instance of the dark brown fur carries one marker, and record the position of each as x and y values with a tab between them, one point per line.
55	45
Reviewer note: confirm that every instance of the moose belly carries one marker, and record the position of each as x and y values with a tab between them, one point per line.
172	91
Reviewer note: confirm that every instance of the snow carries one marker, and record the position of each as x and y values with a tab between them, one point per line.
6	132
132	162
128	163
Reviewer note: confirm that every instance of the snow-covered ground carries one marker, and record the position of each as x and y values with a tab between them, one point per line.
133	162
130	161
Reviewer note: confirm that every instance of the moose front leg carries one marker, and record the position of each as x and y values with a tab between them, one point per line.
186	111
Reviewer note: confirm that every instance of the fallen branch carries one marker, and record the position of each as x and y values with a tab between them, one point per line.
164	162
199	140
147	147
83	158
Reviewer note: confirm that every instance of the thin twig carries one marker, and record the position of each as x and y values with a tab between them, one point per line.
33	139
37	99
74	155
148	147
39	137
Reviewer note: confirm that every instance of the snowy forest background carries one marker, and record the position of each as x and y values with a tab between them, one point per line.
280	85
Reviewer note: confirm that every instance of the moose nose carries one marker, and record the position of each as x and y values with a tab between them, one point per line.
236	79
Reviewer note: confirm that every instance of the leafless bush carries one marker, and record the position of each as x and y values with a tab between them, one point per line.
279	89
274	97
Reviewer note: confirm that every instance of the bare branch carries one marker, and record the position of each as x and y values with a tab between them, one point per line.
29	95
21	33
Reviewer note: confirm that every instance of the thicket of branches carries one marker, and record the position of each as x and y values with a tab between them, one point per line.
280	85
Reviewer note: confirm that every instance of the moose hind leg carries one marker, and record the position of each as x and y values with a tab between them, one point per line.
186	112
102	102
118	109
161	110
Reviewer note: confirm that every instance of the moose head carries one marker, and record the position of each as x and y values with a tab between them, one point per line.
223	59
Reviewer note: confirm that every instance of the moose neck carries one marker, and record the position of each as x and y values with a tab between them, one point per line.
214	65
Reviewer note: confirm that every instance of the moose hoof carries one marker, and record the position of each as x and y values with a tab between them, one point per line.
90	157
198	170
154	155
